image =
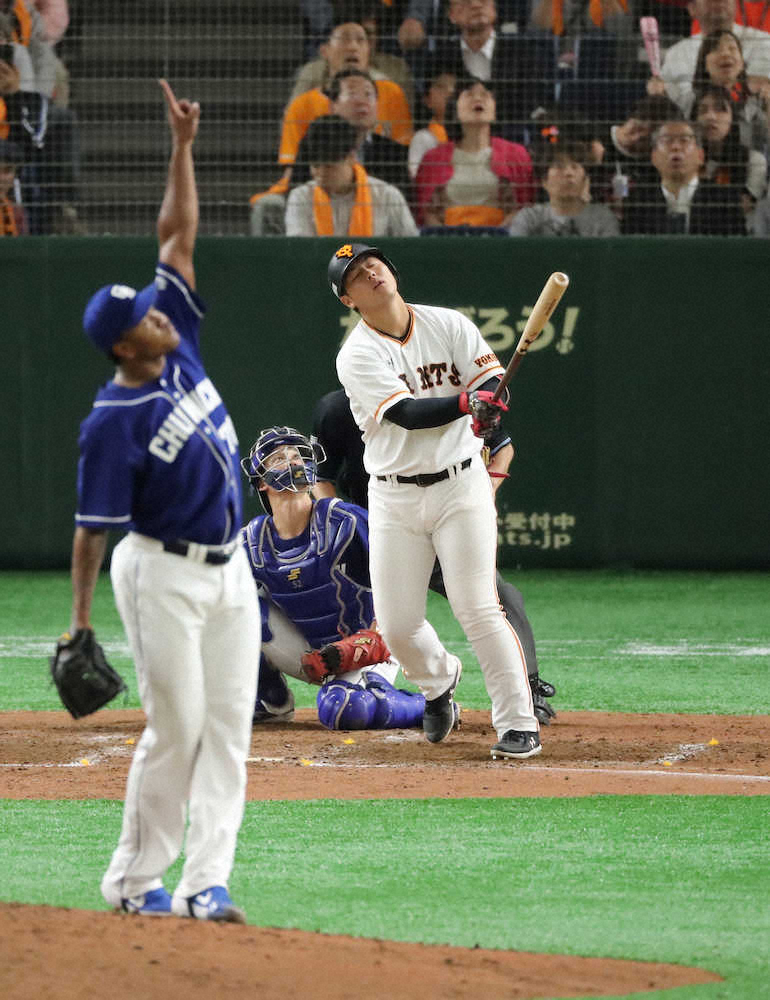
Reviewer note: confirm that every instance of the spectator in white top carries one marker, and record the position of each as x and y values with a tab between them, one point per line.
55	18
680	60
30	31
439	90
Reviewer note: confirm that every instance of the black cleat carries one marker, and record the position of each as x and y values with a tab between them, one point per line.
517	745
442	714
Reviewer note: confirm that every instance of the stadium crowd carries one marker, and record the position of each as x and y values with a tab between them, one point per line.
493	117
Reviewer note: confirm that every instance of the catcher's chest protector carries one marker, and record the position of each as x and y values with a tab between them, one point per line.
307	576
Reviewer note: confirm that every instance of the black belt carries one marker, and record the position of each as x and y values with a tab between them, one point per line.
213	557
428	479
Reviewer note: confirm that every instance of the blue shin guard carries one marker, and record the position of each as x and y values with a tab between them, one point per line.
345	706
396	709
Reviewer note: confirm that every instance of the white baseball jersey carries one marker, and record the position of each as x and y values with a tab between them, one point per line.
442	354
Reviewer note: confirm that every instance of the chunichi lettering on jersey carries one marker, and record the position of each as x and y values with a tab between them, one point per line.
189	411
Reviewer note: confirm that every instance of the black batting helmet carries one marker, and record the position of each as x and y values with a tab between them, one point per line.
344	258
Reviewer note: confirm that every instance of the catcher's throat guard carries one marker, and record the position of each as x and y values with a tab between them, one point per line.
283	459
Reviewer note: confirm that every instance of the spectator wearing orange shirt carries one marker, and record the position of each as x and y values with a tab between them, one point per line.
751	13
369	13
347	48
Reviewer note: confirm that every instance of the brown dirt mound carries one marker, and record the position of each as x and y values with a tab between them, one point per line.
77	955
70	954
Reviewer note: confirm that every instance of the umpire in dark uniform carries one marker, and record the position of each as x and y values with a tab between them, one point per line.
336	430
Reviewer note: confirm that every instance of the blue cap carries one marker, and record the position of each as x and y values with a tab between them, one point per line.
113	310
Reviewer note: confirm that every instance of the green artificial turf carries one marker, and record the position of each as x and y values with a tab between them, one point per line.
628	642
673	879
670	879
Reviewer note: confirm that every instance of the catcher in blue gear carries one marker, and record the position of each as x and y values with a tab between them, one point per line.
310	560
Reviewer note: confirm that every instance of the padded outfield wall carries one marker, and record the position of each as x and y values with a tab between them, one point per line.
640	417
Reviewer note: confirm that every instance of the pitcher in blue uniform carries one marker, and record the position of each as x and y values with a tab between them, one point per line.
159	460
310	560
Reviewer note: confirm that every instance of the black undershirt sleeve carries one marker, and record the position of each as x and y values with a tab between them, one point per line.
412	414
415	413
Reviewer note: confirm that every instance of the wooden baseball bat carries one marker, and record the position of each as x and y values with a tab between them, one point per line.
547	301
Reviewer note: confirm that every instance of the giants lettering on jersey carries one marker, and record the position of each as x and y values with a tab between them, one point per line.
191	410
434	374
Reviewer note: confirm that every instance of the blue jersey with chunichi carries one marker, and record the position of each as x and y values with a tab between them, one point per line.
320	580
162	459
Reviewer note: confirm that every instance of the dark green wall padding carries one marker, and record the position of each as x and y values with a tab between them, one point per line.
640	417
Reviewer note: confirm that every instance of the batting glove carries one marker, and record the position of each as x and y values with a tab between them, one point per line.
486	412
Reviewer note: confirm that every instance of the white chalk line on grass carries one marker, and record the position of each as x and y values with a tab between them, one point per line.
623	772
35	647
601	649
630	772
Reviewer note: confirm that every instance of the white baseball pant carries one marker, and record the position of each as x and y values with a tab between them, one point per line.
455	520
194	632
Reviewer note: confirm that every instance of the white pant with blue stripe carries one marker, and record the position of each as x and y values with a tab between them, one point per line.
194	632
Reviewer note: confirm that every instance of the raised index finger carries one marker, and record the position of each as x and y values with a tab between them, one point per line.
169	94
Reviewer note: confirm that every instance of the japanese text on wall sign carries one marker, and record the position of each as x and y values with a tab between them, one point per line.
543	531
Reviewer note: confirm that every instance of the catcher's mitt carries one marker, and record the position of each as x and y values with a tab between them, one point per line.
83	677
362	649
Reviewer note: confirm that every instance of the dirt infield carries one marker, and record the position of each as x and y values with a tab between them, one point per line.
45	755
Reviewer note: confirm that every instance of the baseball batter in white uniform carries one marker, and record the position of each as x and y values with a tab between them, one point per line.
413	374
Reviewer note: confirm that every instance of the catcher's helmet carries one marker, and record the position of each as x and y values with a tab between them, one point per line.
343	259
298	473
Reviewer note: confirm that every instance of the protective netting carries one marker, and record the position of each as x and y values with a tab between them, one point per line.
586	133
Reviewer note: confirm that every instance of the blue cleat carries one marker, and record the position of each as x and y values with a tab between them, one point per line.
210	904
155	903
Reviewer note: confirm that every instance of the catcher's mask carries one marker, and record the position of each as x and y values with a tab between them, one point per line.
282	459
344	258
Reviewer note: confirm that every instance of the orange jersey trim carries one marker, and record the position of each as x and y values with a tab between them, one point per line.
487	373
399	340
396	395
